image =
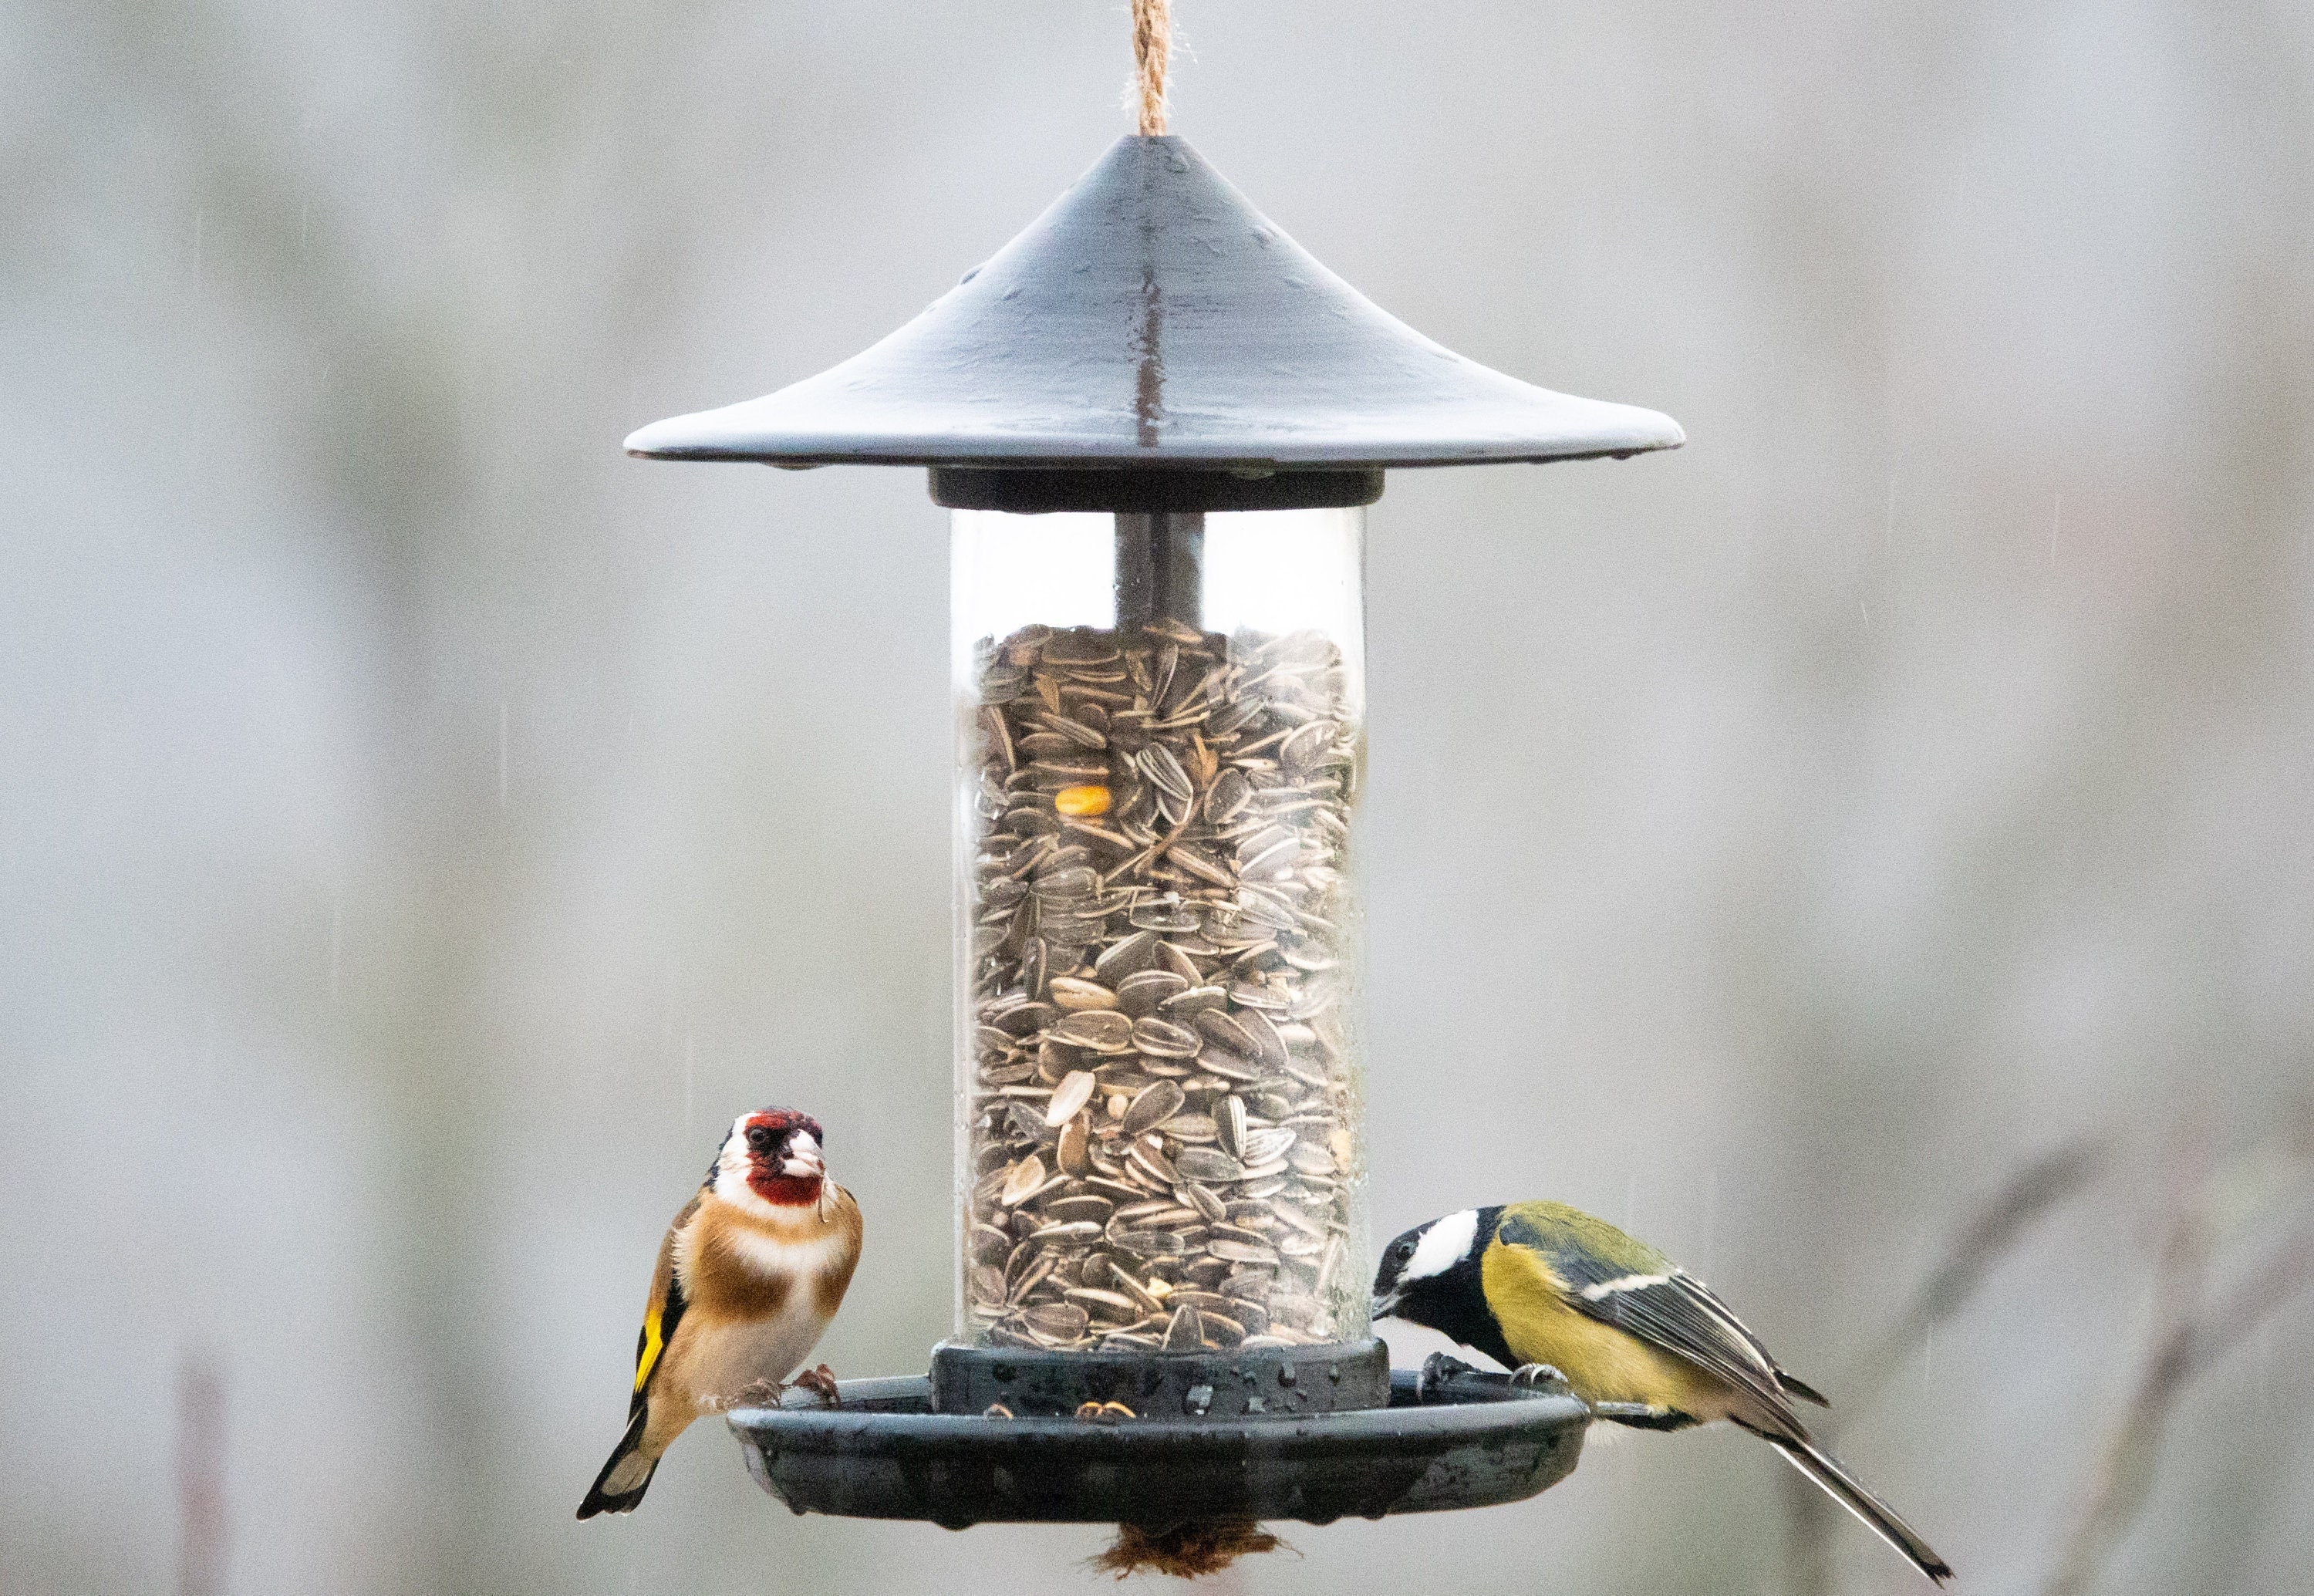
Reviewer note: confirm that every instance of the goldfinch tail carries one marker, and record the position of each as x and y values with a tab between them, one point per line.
620	1487
1842	1487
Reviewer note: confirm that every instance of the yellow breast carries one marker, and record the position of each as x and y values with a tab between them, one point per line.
1602	1363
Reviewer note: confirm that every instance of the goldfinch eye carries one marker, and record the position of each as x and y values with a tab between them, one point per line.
759	1138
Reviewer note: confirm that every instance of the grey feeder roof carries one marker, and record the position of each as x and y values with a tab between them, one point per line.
1152	318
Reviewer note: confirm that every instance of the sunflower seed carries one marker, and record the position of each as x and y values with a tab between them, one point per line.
1260	1146
1128	956
1208	1163
1230	791
1307	747
1103	1030
1139	995
1306	1158
1073	1153
1069	993
1185	1331
1069	1098
1229	1066
1113	1306
1220	1330
1192	1128
1057	1321
1153	1163
1231	1125
1203	1201
1164	771
1032	1274
1161	1039
1269	1046
1228	1030
1164	915
1023	1180
1153	1107
1075	731
1186	1005
1085	1206
1171	956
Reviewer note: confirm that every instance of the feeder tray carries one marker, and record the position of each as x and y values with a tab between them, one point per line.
1451	1437
1157	419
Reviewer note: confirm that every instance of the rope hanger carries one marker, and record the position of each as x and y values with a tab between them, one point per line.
1153	54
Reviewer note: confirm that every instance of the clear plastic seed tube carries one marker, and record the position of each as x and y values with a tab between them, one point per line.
1161	1143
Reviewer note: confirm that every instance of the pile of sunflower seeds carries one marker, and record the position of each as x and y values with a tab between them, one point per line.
1163	1111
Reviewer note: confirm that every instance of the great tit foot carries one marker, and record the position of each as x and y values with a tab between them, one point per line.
1437	1369
821	1383
1539	1377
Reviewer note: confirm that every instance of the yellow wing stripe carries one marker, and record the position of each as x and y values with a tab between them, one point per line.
653	1345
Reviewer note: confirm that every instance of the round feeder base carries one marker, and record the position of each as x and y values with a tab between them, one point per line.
1451	1437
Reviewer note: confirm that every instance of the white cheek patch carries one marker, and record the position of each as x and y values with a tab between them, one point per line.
1444	1245
731	1172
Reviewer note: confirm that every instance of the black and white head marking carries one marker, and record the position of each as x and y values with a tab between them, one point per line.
1430	1276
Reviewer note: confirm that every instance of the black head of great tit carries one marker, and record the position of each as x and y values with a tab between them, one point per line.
1638	1338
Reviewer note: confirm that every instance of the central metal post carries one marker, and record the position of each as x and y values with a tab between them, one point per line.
1160	567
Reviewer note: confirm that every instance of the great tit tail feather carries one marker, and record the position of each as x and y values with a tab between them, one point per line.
1843	1487
1794	1387
620	1487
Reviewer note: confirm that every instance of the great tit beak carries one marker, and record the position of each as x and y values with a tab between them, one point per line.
1383	1307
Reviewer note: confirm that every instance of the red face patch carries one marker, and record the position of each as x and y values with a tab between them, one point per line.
778	1170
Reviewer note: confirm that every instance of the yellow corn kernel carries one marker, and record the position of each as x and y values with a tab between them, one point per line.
1082	802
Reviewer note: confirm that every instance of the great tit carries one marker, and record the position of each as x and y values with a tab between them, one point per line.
1638	1338
749	1275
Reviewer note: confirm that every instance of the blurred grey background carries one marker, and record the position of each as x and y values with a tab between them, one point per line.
422	828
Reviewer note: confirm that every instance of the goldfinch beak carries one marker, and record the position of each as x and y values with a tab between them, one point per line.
804	1161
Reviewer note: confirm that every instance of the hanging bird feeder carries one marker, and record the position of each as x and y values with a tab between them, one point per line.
1156	421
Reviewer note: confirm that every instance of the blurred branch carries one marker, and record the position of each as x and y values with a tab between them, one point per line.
202	1539
1989	1236
2193	1332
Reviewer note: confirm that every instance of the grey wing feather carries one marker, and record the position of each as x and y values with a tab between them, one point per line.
1680	1315
1792	1386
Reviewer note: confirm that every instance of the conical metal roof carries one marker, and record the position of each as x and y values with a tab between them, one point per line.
1152	318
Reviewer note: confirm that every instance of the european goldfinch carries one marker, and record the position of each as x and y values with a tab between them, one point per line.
1634	1335
749	1275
